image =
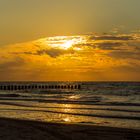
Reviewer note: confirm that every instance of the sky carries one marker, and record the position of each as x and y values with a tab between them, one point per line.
100	40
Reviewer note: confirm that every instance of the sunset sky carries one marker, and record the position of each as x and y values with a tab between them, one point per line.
70	40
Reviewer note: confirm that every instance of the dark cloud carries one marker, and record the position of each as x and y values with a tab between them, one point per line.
51	52
102	45
28	53
112	37
54	52
109	45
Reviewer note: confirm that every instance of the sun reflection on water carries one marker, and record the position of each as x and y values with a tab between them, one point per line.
67	119
67	109
74	97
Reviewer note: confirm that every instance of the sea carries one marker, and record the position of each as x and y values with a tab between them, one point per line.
114	104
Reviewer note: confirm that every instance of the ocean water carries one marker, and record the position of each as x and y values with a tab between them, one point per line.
114	104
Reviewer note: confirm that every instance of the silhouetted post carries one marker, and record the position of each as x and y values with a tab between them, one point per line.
46	86
4	87
35	86
15	87
11	87
42	87
39	86
18	87
71	86
79	86
75	86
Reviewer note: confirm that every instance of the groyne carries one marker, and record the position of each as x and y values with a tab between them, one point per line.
25	86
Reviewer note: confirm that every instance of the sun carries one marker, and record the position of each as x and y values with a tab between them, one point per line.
68	44
65	42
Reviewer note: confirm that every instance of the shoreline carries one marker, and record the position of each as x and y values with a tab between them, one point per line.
36	130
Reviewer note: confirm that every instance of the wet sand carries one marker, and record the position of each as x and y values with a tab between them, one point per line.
13	129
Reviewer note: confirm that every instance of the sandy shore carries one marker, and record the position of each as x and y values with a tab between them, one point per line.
12	129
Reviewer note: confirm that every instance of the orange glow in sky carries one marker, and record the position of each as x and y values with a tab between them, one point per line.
73	58
70	40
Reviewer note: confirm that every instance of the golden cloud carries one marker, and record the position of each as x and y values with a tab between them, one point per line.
85	57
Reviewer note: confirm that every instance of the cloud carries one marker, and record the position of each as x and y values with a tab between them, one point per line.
112	37
92	57
125	55
50	52
109	45
53	52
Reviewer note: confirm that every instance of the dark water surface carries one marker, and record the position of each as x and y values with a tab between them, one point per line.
96	103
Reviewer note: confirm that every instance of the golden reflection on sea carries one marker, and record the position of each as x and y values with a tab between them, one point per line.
67	109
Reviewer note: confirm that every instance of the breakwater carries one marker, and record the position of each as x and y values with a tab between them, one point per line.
23	86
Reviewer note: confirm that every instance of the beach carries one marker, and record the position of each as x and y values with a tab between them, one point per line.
12	129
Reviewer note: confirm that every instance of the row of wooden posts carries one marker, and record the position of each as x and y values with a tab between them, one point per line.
37	87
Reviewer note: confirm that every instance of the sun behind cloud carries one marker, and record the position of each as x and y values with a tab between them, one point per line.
65	42
68	44
73	58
